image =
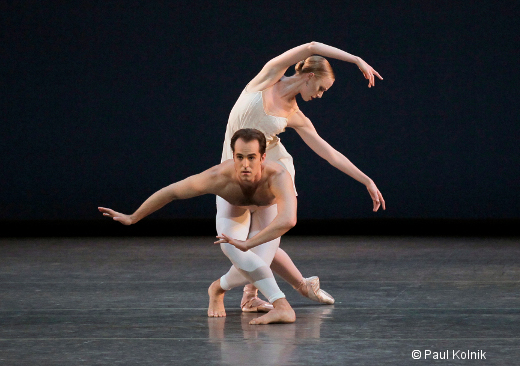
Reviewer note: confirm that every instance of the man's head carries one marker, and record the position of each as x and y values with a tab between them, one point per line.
248	147
247	135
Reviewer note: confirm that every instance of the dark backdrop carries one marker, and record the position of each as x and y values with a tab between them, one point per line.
103	103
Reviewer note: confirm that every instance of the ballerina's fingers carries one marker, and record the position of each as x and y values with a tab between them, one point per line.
372	77
379	202
369	76
106	211
382	200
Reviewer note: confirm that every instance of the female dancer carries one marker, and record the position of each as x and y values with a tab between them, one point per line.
268	103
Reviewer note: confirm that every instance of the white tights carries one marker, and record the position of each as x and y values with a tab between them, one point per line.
252	266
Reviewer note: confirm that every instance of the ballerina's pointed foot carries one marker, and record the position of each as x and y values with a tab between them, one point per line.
282	313
216	294
256	305
252	304
310	288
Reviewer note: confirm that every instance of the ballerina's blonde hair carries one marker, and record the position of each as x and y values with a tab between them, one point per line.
317	65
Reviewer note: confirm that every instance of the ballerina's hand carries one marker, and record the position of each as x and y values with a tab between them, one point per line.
239	244
117	216
368	72
377	197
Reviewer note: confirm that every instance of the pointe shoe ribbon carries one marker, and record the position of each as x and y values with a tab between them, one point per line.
311	285
256	305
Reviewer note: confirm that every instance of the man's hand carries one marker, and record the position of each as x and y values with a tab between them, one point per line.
117	216
377	197
239	244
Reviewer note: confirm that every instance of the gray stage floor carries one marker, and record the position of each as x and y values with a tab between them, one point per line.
142	301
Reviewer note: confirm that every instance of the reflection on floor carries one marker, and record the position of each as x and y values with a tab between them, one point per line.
142	301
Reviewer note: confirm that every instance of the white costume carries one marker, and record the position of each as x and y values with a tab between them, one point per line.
252	266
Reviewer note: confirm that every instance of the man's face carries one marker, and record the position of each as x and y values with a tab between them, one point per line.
248	161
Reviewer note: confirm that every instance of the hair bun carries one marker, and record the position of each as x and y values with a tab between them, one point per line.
299	66
318	65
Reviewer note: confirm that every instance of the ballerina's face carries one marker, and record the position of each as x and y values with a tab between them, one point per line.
314	87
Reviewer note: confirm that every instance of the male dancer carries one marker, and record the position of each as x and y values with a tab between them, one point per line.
250	184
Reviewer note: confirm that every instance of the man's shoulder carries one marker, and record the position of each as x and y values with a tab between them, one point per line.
273	169
279	180
214	179
223	169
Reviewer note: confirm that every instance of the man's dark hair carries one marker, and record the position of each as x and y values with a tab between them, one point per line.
249	134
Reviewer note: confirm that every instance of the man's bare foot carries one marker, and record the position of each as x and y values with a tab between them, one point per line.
216	300
282	313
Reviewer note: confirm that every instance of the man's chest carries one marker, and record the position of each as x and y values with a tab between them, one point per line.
243	198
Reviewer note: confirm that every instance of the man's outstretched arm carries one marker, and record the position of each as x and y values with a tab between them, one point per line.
193	186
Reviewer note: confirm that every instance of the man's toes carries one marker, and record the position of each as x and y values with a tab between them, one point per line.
256	321
216	314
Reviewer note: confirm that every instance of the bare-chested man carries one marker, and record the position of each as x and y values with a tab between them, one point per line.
262	199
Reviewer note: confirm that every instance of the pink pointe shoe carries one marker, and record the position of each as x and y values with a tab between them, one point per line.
255	305
310	288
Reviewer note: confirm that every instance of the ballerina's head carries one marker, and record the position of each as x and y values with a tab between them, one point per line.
317	76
